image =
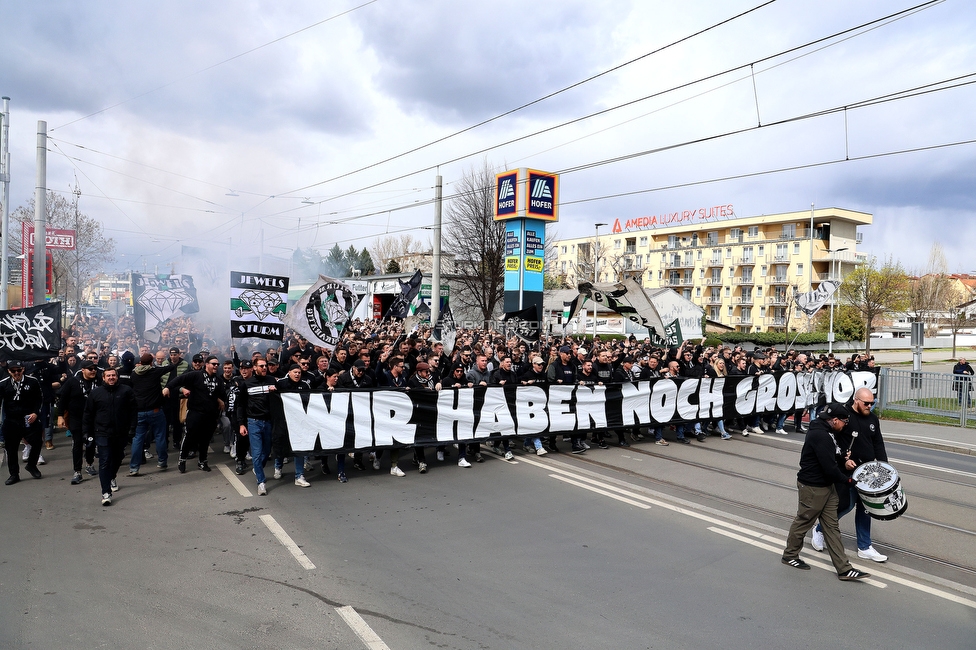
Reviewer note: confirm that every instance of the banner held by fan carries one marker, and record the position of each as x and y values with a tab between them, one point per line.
322	312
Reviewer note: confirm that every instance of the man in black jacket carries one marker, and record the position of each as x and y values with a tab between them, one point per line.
866	446
21	397
71	400
205	399
151	419
110	414
821	460
252	411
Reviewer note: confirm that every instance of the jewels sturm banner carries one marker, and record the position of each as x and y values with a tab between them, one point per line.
376	418
257	305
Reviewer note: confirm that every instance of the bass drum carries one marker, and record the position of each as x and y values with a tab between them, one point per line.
880	489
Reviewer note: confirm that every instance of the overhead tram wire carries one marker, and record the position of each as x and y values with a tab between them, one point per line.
543	98
218	64
876	23
898	15
917	91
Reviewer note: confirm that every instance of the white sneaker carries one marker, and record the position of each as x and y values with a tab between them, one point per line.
464	463
107	499
423	468
40	460
782	432
757	430
376	461
26	452
226	449
745	432
440	456
818	540
541	452
396	471
115	485
509	455
277	472
301	482
248	456
262	490
765	427
233	449
870	554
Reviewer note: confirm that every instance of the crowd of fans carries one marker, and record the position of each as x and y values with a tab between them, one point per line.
374	354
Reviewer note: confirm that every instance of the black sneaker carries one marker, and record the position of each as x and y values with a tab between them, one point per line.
854	574
241	469
684	441
161	466
478	458
579	449
76	479
600	444
204	466
359	466
797	563
181	466
624	443
701	437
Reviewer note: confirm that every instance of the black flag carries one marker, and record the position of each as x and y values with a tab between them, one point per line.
408	291
524	323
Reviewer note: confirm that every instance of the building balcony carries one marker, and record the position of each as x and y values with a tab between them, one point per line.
745	261
742	320
743	281
679	282
781	259
777	301
713	301
777	279
743	301
714	262
630	250
679	264
714	282
777	321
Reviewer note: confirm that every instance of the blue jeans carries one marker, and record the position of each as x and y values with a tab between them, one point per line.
862	520
151	425
259	431
300	464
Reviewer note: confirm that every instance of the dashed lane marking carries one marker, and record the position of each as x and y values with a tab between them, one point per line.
361	628
234	481
287	541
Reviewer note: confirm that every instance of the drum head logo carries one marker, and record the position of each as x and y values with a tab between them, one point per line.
328	310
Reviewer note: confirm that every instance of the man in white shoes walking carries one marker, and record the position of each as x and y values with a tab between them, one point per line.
867	446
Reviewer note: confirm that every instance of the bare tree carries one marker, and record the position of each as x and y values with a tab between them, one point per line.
477	242
875	292
71	269
392	247
930	293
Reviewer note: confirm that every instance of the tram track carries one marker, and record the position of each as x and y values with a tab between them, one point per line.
590	460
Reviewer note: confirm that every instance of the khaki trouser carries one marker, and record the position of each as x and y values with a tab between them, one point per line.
814	503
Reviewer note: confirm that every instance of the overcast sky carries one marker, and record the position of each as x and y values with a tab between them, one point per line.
199	102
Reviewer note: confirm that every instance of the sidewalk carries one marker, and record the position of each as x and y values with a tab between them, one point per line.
955	439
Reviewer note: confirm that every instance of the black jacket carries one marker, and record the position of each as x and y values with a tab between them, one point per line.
110	412
17	404
253	401
145	385
820	463
869	445
72	398
204	389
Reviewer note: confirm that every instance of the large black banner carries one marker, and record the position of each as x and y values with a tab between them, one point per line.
376	418
30	333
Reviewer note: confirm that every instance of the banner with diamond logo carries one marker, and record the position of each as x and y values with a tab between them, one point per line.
257	305
157	298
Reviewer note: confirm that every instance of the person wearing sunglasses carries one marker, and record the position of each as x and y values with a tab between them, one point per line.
206	398
867	446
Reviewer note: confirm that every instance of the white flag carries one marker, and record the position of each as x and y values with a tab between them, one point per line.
811	301
322	312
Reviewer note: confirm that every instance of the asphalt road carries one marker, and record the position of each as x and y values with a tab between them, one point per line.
616	549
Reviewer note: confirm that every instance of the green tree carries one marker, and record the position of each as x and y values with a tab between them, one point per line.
875	292
335	264
848	325
392	267
366	262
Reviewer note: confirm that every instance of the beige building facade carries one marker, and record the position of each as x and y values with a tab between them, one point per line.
743	271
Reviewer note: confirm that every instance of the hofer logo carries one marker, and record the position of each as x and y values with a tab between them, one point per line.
506	194
542	194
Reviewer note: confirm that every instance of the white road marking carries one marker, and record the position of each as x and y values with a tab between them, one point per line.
947	470
779	551
361	628
744	534
605	493
234	481
287	541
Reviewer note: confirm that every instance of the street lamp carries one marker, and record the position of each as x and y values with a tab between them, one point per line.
596	263
830	336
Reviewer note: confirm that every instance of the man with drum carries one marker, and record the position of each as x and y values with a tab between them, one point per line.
821	460
867	445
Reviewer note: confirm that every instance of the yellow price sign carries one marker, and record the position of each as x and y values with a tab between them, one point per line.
534	264
512	263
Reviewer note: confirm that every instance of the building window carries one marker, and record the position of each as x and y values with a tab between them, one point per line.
686	294
616	244
698	292
781	252
643	241
689	259
731	271
730	312
753	231
701	273
747	274
759	292
728	293
673	241
789	230
735	234
762	312
712	238
796	248
747	254
717	276
746	314
563	266
761	250
640	261
728	253
762	271
699	255
714	313
564	250
799	269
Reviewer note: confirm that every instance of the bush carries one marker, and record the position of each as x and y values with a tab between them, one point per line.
772	338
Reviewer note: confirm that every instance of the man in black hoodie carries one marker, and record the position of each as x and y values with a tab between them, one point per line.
71	401
151	419
821	460
110	414
205	399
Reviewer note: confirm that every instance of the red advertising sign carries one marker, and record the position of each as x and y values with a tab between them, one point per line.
55	239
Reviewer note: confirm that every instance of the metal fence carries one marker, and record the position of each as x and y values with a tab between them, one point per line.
928	393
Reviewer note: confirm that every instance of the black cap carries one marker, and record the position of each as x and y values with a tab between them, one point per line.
197	358
566	349
835	410
358	363
17	363
174	349
85	365
627	360
246	364
273	361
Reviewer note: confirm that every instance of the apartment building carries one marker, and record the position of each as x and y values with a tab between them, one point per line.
743	271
